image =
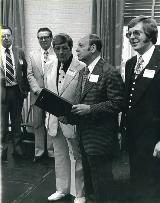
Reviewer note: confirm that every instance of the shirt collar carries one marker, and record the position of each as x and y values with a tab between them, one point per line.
67	64
147	55
4	49
49	50
92	65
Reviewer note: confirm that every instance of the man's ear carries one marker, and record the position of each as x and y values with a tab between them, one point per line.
93	48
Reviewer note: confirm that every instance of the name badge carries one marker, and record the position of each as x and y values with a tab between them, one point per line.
71	72
148	73
20	61
93	78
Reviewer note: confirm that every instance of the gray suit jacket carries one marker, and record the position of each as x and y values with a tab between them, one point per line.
35	73
35	76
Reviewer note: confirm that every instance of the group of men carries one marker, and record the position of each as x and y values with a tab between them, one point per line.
84	143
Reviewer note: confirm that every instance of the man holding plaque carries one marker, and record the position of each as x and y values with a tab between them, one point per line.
61	78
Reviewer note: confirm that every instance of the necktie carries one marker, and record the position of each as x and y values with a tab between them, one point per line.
61	77
45	56
9	67
139	66
85	77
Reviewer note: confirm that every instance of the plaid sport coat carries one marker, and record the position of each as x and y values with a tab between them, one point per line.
98	130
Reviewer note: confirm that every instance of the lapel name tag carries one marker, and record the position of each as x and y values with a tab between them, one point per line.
71	72
148	73
93	78
21	61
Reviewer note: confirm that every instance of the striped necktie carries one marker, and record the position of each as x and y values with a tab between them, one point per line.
9	67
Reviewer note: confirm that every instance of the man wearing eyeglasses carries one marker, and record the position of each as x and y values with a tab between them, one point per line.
14	88
142	107
37	65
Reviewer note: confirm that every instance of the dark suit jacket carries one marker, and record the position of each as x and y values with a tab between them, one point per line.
21	74
142	120
98	130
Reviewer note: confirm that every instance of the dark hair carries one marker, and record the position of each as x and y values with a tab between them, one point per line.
94	39
6	28
149	27
45	29
62	38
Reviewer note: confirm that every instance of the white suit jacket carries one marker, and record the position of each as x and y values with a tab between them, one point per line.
67	91
35	73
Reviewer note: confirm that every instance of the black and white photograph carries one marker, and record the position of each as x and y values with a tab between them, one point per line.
80	101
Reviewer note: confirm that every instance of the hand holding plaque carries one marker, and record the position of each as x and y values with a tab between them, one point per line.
53	103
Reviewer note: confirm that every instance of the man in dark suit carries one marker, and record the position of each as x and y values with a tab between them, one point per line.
142	106
14	88
100	95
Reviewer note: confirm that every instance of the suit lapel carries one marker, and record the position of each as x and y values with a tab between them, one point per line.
50	77
129	72
128	76
38	61
2	66
15	55
70	75
98	70
142	83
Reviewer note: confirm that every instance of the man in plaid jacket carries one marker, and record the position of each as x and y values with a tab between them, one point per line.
100	94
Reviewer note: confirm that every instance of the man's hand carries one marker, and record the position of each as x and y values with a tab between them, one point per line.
63	119
38	92
80	109
156	152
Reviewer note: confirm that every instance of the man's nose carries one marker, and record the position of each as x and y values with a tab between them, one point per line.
6	37
132	35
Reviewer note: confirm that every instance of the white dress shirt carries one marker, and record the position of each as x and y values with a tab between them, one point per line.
146	56
3	55
92	65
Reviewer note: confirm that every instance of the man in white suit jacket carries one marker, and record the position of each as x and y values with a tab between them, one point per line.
62	78
37	63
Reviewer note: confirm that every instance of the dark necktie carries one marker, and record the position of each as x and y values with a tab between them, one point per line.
9	67
139	66
45	56
85	77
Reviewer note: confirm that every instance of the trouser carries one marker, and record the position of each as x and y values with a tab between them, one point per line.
68	165
98	177
12	106
43	142
144	174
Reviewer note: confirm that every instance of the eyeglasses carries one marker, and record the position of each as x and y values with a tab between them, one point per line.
6	36
44	38
136	33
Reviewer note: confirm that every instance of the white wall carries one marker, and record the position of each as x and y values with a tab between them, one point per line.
70	16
